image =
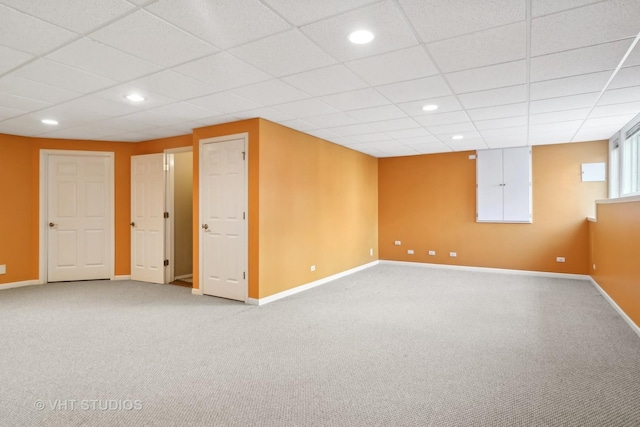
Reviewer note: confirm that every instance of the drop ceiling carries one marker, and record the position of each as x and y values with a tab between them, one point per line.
503	72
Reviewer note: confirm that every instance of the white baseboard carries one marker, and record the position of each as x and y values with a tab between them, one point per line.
306	286
490	270
616	307
19	284
122	277
195	291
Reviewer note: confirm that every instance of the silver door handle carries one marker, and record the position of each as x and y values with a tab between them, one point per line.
205	227
51	225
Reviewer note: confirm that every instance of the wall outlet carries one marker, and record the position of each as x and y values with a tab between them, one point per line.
594	267
3	269
371	252
560	259
313	268
397	243
410	251
453	254
432	253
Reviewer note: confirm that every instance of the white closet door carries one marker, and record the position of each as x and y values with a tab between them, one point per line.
517	184
489	180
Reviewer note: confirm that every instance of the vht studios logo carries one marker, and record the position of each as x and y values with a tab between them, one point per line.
88	405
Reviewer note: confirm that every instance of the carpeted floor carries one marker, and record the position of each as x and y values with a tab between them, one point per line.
388	346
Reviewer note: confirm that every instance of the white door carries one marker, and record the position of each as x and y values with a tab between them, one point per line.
489	185
517	184
147	218
223	212
79	220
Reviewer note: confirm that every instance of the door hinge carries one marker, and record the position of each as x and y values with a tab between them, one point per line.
166	262
166	215
244	275
244	215
243	155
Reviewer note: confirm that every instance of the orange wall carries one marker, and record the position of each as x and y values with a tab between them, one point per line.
429	203
318	206
19	183
615	249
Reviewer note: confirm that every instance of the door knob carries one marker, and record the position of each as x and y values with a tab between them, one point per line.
51	224
205	226
133	224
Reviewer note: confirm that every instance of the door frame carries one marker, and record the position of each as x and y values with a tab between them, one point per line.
43	197
245	258
169	206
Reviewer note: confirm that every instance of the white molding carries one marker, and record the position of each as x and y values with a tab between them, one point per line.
12	285
306	286
122	277
625	199
490	270
616	307
195	291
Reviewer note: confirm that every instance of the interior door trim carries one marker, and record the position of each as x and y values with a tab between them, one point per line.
42	208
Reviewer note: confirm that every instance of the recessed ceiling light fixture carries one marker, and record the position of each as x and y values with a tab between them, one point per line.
361	37
430	107
134	97
49	121
457	137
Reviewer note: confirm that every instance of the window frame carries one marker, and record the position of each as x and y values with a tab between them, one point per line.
624	161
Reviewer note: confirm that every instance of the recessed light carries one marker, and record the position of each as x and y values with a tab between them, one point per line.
457	137
49	121
134	97
361	37
430	107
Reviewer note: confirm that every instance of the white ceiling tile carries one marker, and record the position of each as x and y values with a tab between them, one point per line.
12	58
34	90
550	137
488	47
305	108
585	26
487	113
23	125
91	131
7	113
321	133
559	116
103	60
507	122
574	62
224	103
573	102
423	140
395	124
144	35
181	111
270	92
371	137
284	54
216	120
445	104
407	64
626	77
545	7
264	113
611	121
619	96
383	19
359	129
97	105
21	103
313	10
222	71
415	90
354	100
494	76
512	134
433	148
68	116
575	85
325	81
569	126
299	125
505	142
341	140
174	85
437	19
331	120
386	112
125	125
595	134
453	129
117	94
470	145
28	34
76	15
397	149
58	75
366	149
443	118
408	133
154	120
493	97
224	23
616	109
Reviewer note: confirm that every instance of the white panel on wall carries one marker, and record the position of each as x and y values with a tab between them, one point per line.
593	172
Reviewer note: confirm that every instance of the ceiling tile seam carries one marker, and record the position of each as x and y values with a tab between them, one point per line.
435	64
606	85
556	52
321	19
485	66
471	33
569	9
528	12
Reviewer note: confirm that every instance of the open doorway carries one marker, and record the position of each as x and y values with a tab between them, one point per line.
180	224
